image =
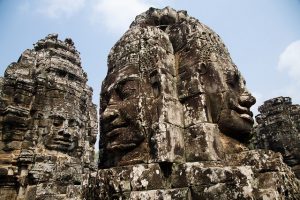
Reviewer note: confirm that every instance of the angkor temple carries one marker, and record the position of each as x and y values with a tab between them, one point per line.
174	120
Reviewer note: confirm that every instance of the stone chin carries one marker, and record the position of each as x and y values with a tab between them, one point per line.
236	125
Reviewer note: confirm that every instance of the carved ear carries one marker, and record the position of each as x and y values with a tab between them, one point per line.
155	83
201	68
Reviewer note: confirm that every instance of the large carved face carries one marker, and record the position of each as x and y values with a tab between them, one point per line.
213	90
228	100
60	104
120	110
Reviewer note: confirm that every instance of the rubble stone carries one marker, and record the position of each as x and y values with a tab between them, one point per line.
48	124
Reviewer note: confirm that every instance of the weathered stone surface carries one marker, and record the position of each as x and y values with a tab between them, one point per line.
178	194
278	129
175	118
48	124
202	142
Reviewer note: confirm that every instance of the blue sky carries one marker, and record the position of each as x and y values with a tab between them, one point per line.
263	36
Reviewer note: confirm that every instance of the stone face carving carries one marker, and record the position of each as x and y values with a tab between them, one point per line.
174	117
48	124
155	87
278	130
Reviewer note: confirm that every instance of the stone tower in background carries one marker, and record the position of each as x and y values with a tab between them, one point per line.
48	124
175	117
278	129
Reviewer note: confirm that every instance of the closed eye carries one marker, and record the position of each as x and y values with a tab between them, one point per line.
232	79
57	120
127	89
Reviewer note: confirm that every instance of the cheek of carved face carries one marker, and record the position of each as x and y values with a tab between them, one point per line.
119	116
63	135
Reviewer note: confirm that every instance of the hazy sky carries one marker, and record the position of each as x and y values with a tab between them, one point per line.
263	36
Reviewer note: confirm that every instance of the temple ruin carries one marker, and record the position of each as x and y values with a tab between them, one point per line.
175	121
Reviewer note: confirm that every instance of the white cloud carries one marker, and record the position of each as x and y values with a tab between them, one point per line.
117	15
59	8
289	60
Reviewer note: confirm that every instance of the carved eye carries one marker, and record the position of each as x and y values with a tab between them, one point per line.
73	123
61	73
58	120
201	68
72	77
233	79
127	89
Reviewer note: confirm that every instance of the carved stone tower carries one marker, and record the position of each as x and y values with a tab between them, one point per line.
47	122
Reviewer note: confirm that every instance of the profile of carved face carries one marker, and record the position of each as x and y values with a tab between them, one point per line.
208	78
215	84
235	117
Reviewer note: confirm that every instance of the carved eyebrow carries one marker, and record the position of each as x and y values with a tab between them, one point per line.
126	80
122	81
57	117
232	73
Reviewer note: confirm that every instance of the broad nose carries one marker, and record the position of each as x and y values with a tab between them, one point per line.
247	100
64	133
109	114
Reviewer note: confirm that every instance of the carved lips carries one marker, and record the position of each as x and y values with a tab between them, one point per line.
243	112
61	141
118	135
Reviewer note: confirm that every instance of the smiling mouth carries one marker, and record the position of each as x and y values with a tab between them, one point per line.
113	139
116	146
247	117
62	141
114	131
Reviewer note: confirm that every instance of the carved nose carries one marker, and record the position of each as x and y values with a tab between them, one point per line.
247	100
109	115
64	133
